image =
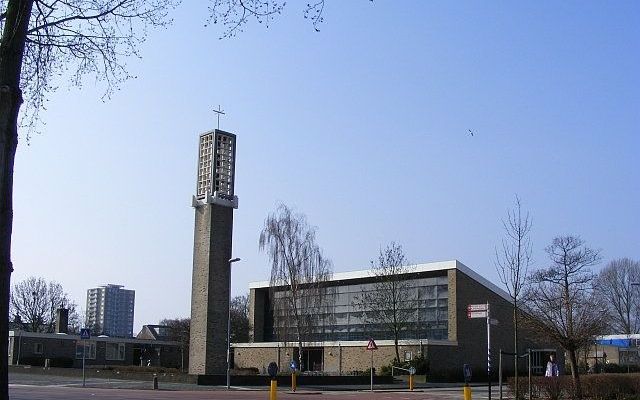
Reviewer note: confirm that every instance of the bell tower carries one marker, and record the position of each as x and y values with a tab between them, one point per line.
213	203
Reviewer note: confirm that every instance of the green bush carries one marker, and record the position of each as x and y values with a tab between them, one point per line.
385	370
421	364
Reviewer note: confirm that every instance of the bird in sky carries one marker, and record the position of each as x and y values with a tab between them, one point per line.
471	132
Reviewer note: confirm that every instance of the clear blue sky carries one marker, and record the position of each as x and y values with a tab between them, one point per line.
362	126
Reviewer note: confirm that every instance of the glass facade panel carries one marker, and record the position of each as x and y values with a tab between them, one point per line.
344	320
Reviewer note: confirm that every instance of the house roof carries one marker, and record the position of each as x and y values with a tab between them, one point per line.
154	332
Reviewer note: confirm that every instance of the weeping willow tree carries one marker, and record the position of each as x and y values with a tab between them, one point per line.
299	275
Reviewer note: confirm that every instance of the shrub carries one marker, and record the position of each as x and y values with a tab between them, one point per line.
33	361
137	368
594	387
611	386
245	371
62	362
385	370
555	388
421	364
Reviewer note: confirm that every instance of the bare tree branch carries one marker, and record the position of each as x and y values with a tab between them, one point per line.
79	38
391	301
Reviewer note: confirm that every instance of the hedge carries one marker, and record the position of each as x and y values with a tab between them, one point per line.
595	387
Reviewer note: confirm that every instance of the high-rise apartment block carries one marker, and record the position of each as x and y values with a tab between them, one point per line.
110	310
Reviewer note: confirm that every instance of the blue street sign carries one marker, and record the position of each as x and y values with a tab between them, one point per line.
85	333
467	373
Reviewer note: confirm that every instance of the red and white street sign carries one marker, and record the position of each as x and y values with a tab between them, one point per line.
476	314
372	345
476	307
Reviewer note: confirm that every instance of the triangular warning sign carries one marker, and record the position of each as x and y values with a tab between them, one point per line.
372	345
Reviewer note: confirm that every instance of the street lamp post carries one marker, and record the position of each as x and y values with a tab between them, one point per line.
231	261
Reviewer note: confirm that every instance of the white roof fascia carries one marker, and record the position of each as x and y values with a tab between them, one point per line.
484	282
112	339
427	267
346	343
367	273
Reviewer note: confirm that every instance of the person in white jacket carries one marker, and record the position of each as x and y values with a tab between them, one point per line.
552	367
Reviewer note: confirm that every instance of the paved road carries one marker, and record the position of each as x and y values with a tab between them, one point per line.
18	392
36	387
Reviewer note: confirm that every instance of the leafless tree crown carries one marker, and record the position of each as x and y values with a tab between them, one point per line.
561	304
513	258
240	325
35	302
73	39
391	300
615	284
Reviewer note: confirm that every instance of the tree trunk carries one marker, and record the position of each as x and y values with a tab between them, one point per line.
573	362
395	342
515	347
17	17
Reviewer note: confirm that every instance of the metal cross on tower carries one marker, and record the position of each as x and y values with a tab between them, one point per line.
218	112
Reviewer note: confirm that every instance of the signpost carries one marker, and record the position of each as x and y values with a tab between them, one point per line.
371	346
85	334
482	311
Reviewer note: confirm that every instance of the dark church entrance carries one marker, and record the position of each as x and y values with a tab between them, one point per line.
312	359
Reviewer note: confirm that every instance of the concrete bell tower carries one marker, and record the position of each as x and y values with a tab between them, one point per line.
214	203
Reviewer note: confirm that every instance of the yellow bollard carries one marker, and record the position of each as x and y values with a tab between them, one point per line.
273	390
293	381
467	392
410	382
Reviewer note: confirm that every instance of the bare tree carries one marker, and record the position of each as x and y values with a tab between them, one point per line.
389	300
614	284
512	263
35	302
299	271
240	326
179	331
41	40
560	303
